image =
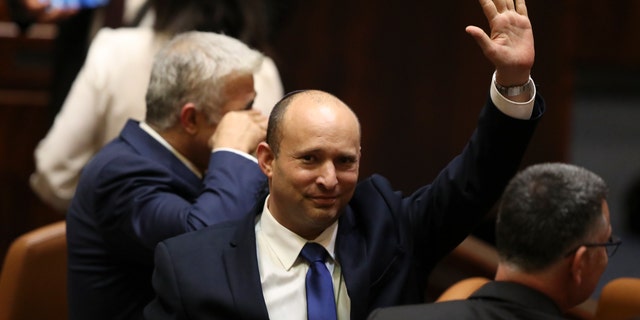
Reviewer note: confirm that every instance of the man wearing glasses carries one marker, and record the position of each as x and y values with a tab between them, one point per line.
553	236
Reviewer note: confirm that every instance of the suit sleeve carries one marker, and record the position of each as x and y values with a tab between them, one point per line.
146	202
443	213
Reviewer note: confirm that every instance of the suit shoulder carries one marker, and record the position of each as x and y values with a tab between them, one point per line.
372	188
374	182
442	310
215	235
118	154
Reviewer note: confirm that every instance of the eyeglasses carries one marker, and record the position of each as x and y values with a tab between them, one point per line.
611	246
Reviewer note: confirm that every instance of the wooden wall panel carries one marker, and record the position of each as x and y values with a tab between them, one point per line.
608	33
25	77
4	11
411	73
416	79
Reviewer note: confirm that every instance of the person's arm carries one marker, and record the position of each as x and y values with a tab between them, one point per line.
73	138
150	196
142	201
465	190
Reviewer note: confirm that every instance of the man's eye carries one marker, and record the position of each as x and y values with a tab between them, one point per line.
346	163
347	160
307	158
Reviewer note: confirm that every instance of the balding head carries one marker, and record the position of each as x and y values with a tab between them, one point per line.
307	103
311	159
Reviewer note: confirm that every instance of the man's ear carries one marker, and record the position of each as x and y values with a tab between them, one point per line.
188	118
578	265
265	158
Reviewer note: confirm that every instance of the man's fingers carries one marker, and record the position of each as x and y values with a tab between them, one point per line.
489	9
499	5
521	8
480	36
509	4
263	123
505	5
256	116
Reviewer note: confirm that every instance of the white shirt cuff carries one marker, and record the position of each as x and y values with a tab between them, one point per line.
238	152
517	110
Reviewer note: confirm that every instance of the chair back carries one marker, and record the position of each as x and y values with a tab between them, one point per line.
462	289
33	280
619	300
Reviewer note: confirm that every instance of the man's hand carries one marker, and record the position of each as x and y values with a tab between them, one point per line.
240	130
510	47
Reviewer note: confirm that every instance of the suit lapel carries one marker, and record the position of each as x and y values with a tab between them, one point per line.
241	265
149	147
351	253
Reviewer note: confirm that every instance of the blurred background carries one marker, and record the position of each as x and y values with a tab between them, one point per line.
416	80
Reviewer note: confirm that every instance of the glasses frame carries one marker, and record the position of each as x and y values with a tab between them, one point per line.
611	246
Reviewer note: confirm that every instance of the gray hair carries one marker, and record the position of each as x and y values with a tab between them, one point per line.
545	211
194	67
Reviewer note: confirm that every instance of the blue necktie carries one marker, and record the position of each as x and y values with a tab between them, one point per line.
321	304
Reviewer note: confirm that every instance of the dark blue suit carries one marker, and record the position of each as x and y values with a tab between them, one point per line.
387	244
131	195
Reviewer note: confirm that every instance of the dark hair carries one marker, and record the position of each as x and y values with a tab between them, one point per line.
245	20
274	132
546	210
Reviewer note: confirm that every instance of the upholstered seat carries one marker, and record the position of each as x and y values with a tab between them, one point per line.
619	300
34	276
462	289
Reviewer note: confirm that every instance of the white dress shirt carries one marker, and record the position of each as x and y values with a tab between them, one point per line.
283	271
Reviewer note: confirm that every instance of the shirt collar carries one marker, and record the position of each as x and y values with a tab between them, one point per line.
286	244
146	128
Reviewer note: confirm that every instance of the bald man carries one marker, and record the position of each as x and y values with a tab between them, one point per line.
381	245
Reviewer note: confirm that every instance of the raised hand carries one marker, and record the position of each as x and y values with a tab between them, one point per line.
510	47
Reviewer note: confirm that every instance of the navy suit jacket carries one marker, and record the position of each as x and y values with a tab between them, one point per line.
131	195
493	301
387	244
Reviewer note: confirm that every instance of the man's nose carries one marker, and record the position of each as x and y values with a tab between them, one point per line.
327	176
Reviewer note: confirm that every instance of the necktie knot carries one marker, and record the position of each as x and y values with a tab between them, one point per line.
314	252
